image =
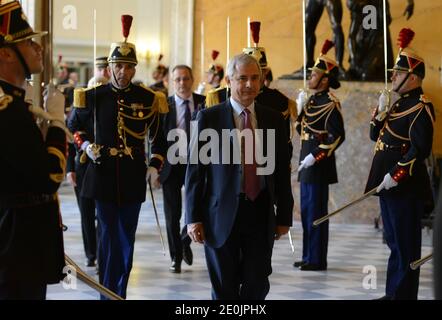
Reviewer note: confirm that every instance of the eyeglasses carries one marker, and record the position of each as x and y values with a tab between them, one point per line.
184	79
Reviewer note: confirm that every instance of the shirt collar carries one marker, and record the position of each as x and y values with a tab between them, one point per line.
180	101
238	108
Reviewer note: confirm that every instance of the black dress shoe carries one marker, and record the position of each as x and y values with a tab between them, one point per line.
90	263
384	298
175	267
312	267
187	255
298	264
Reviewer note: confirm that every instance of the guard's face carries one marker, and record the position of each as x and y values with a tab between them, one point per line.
102	73
314	79
32	53
183	82
210	77
396	79
245	83
122	74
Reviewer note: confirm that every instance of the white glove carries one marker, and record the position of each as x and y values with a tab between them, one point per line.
383	105
53	102
308	161
152	175
301	100
91	151
29	93
201	88
387	184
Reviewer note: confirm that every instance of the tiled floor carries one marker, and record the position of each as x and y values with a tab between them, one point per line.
351	247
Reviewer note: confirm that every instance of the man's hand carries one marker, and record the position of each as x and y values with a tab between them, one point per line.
301	100
53	102
91	150
387	183
196	232
308	161
72	178
153	176
280	231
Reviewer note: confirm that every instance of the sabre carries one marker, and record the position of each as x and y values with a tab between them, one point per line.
291	241
325	218
304	45
86	279
385	42
156	216
202	50
416	264
228	52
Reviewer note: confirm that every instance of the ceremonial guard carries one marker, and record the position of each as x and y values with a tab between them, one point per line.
122	115
321	127
215	75
31	168
404	137
160	75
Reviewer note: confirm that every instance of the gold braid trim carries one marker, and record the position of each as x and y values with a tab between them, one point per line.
58	177
330	147
409	163
158	156
395	134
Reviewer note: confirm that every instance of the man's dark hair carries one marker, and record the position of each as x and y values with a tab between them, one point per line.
183	66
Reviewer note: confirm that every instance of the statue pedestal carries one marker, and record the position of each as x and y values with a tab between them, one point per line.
354	156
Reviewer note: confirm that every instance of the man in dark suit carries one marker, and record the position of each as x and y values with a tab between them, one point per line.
230	203
182	107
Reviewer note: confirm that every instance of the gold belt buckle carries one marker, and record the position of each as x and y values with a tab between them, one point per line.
113	152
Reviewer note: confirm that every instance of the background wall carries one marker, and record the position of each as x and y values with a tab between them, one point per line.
281	35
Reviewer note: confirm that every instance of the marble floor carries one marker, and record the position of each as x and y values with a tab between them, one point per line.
356	264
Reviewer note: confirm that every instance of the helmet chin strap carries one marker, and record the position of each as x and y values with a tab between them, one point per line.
22	61
319	82
118	83
403	82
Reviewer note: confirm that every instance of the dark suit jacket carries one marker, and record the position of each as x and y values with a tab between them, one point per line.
212	191
169	123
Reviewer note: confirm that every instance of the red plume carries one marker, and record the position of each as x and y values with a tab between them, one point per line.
405	37
327	46
60	57
126	21
255	27
215	54
160	57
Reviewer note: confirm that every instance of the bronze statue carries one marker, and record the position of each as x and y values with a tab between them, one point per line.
366	46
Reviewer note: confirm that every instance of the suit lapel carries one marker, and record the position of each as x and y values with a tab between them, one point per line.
171	116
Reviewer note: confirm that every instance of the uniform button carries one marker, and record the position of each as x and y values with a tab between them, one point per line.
121	146
121	100
121	137
121	109
121	155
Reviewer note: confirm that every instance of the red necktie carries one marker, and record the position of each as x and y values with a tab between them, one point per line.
251	180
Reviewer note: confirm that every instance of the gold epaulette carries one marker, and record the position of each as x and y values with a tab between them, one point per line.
333	98
291	107
212	98
80	96
5	100
424	99
160	101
